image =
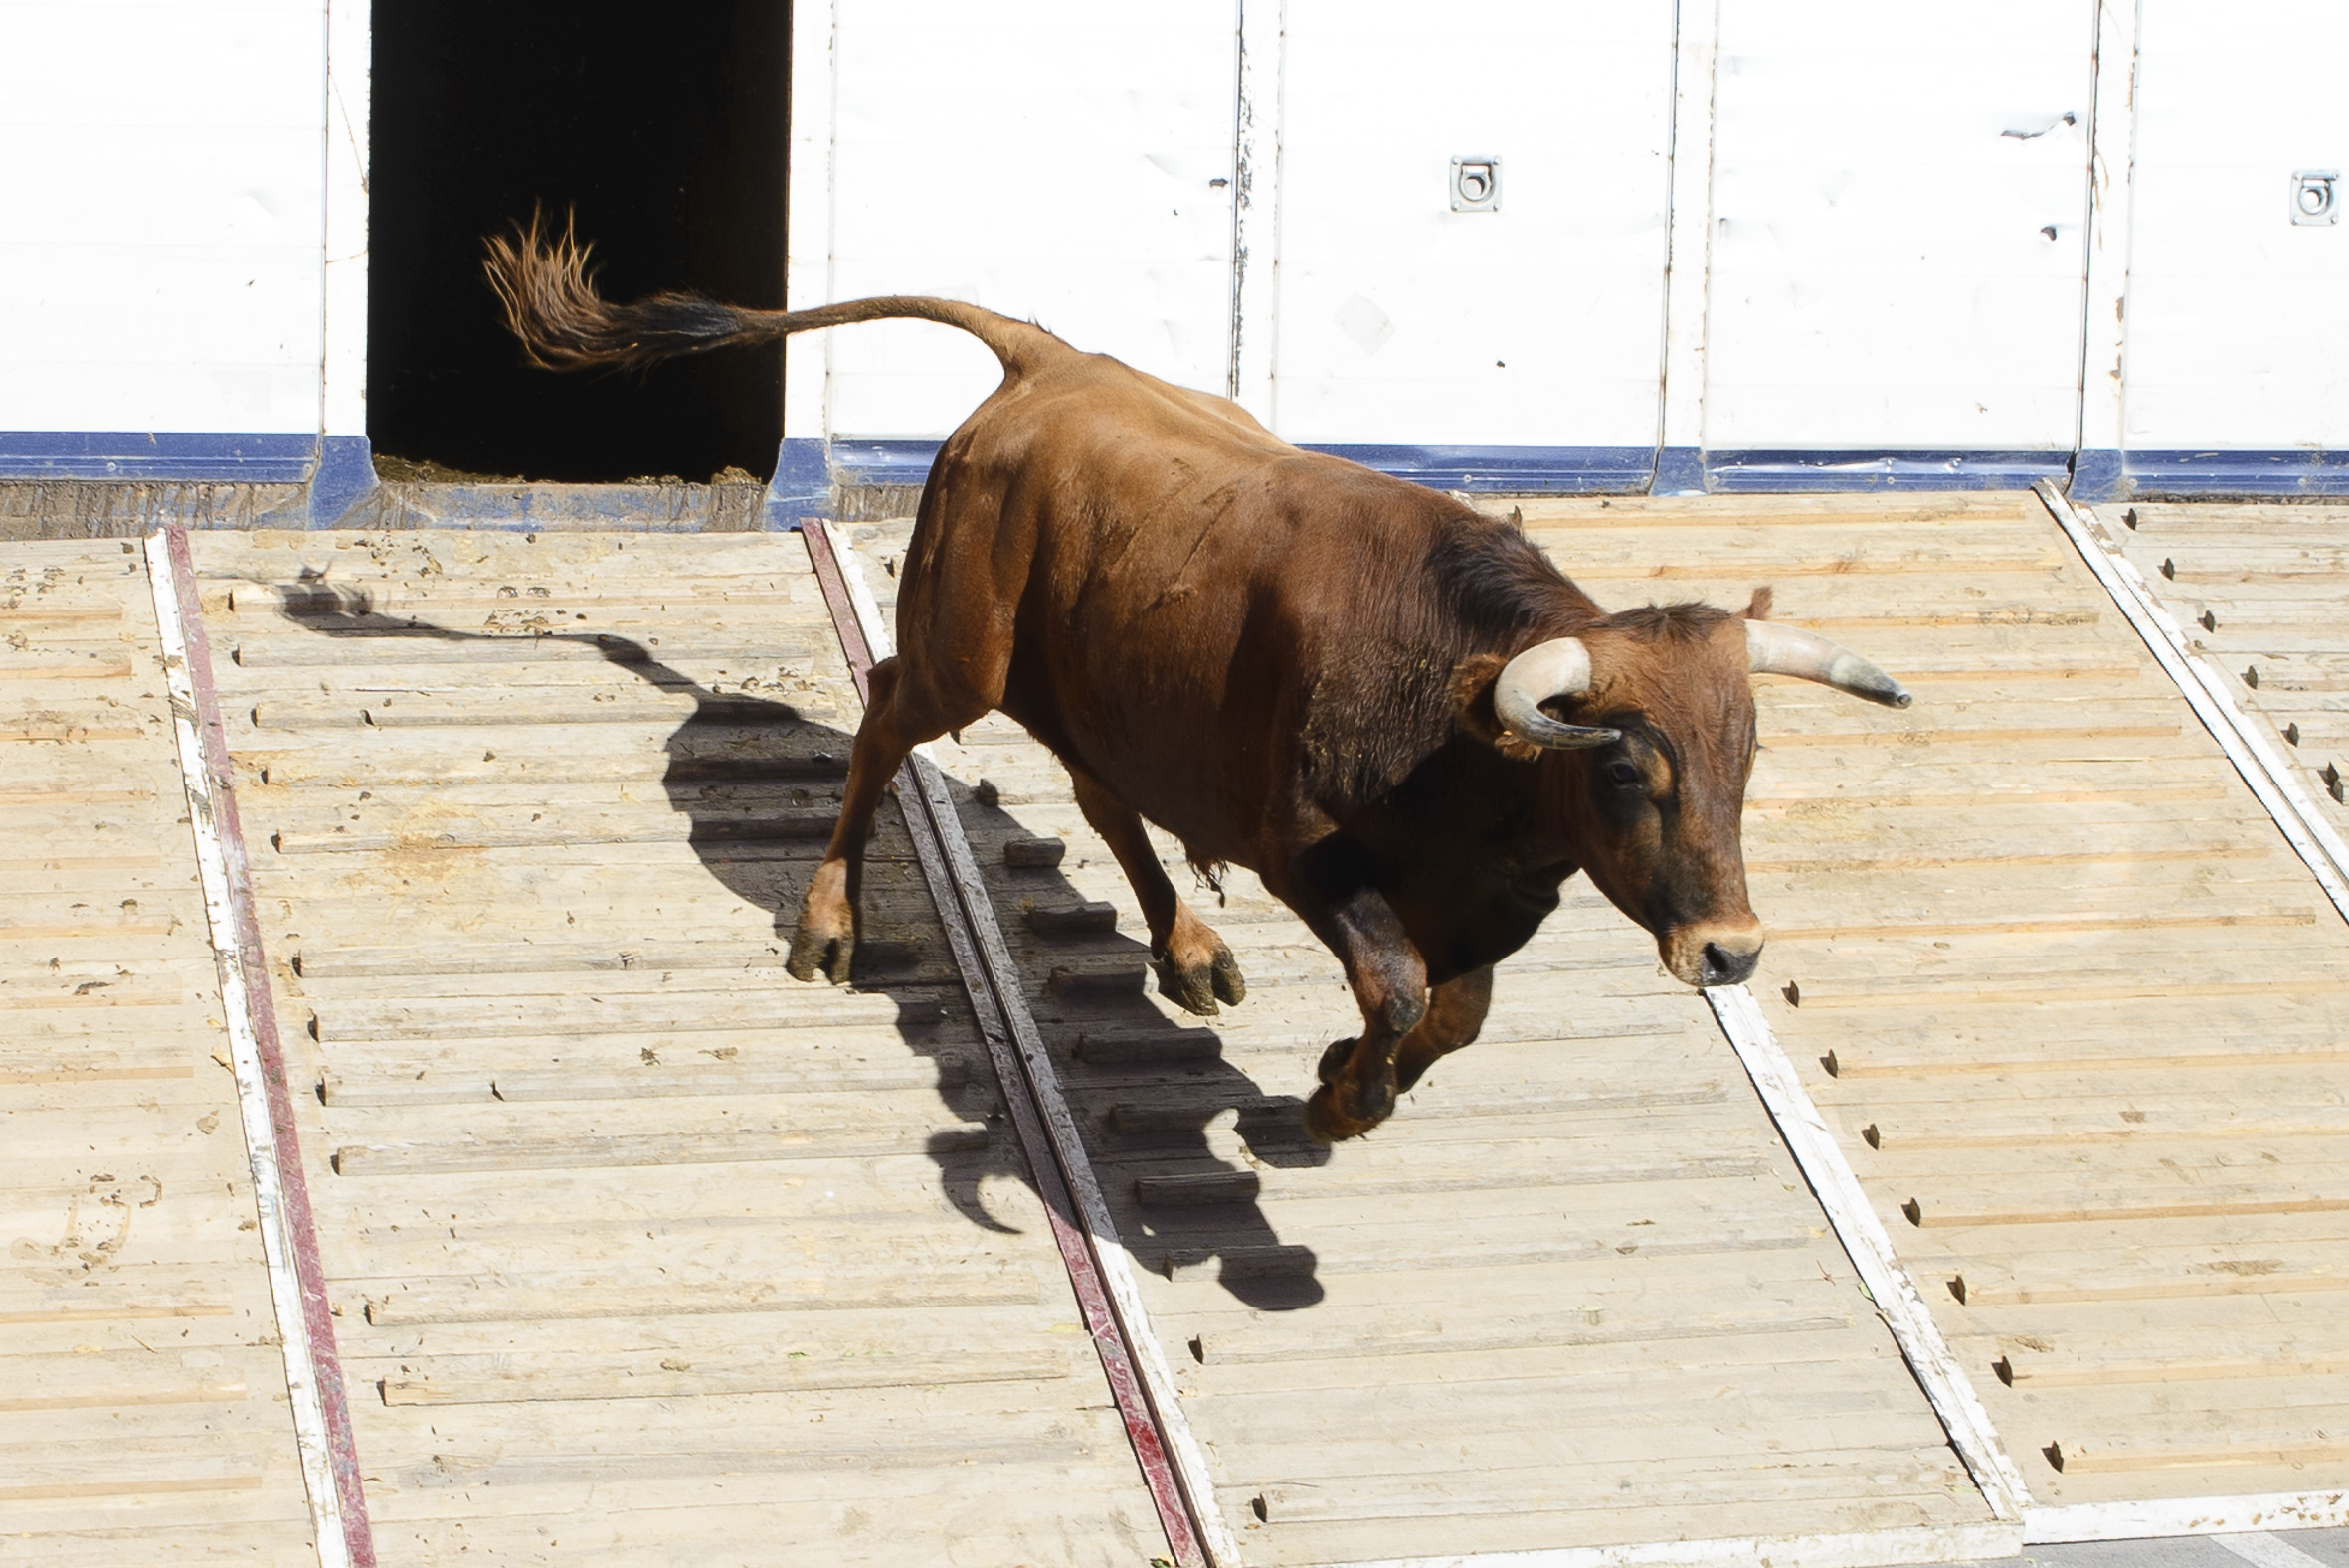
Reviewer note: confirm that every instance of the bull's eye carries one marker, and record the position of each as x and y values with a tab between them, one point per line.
1623	771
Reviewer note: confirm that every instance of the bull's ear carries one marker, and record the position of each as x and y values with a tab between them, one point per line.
1758	608
1472	707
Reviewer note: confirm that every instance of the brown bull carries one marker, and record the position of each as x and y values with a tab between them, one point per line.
1394	711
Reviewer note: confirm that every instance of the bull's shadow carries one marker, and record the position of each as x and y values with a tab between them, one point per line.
758	782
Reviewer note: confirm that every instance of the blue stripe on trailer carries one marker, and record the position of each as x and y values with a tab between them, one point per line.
1796	471
1513	471
344	474
2210	474
1680	470
196	457
338	469
1507	469
802	484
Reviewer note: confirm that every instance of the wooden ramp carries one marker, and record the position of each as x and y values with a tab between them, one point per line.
2263	594
143	1407
640	1253
1576	1295
2075	1010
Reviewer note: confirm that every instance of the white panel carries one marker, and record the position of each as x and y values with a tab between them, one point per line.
1052	159
808	264
1882	277
1686	280
140	62
161	216
2113	138
350	59
2237	318
1403	321
1256	203
218	395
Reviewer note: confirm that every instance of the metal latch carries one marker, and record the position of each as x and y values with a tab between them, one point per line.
1476	185
2313	196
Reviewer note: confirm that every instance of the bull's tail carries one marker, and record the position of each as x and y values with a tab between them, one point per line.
551	304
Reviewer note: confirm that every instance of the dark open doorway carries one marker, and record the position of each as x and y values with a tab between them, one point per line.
666	131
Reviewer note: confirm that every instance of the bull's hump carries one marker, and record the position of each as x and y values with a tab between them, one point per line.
1107	397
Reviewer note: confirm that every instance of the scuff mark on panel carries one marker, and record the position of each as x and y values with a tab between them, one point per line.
1243	184
1261	37
2034	135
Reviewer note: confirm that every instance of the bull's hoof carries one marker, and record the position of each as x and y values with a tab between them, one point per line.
1197	987
1334	1061
815	952
1227	976
824	940
1327	1122
821	946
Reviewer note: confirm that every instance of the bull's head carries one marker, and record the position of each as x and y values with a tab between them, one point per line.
1651	766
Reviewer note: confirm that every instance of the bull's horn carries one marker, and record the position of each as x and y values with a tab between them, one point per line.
1772	649
1543	673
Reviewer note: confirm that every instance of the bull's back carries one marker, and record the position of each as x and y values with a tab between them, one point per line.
1148	581
1173	575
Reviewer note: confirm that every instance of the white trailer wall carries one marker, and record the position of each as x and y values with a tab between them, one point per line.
1899	204
2237	317
1896	226
1538	326
1070	163
1845	211
161	226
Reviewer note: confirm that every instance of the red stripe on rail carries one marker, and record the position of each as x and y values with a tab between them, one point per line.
309	1272
1110	1337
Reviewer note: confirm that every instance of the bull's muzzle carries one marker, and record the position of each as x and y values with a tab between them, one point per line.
1713	953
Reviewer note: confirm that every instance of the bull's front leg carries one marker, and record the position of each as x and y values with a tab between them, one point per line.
1389	983
1454	1015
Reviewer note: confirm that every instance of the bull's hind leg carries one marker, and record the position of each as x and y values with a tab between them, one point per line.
896	720
1194	967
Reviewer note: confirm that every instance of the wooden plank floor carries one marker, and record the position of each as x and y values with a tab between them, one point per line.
641	1252
2263	591
1576	1293
144	1413
2078	1013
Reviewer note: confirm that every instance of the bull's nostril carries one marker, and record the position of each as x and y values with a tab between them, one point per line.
1724	967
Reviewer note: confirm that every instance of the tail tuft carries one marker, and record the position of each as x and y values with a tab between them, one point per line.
544	282
549	292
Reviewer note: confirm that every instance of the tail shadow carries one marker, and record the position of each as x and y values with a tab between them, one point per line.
758	782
